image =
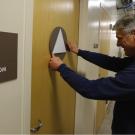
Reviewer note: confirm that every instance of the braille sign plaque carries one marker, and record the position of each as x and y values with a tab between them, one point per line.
8	56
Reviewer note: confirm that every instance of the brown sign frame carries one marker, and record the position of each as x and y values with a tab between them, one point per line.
8	56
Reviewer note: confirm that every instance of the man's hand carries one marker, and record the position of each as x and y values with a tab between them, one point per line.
55	62
73	47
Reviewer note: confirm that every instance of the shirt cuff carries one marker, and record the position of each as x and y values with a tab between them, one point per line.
61	68
79	52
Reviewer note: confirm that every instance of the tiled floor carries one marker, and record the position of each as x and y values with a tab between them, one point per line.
106	126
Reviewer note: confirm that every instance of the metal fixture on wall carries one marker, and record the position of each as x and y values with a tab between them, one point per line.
95	45
37	128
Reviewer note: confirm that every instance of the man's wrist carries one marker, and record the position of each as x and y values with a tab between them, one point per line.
61	67
77	51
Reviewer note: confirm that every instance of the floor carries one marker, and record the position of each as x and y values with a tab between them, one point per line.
106	126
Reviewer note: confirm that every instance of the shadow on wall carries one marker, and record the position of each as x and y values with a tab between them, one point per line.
55	106
55	100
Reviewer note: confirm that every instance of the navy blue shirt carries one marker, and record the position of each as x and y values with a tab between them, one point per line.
120	88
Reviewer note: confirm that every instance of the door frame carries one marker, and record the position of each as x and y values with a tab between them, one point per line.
85	109
27	62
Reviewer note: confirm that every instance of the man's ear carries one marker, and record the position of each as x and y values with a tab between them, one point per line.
133	33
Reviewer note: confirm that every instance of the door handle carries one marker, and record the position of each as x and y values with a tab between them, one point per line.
37	128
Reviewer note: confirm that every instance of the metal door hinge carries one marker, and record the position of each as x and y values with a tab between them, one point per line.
37	128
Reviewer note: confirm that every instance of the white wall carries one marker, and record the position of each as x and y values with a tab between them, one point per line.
88	35
16	17
114	50
93	36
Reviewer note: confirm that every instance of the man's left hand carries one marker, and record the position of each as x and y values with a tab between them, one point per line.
55	62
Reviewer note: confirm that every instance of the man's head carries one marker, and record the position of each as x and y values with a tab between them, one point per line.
125	33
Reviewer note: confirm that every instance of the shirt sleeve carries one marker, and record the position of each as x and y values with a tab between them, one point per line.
110	63
110	88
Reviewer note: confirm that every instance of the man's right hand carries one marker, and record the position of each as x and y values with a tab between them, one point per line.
73	47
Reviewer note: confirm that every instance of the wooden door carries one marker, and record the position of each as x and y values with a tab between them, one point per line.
53	101
104	49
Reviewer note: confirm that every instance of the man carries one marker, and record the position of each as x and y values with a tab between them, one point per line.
120	88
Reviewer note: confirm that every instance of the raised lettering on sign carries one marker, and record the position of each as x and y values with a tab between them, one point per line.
3	69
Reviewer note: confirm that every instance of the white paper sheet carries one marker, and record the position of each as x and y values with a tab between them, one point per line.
59	45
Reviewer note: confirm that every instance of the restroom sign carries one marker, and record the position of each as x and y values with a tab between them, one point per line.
8	56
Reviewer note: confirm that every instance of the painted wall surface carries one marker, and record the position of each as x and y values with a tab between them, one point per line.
105	35
88	35
12	93
114	50
53	101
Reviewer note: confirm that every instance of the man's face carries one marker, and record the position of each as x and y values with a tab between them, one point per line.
126	41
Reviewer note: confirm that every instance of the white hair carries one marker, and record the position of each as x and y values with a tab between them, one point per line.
127	23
